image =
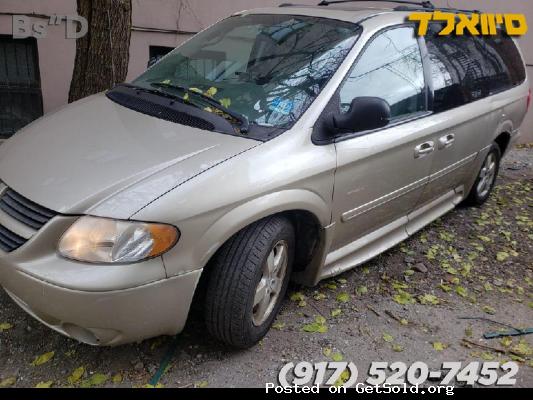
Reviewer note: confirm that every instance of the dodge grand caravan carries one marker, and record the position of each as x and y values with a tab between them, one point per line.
281	143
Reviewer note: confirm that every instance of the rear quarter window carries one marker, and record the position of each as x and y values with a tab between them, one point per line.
466	68
502	51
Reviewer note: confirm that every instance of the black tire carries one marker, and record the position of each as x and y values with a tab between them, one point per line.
476	198
234	276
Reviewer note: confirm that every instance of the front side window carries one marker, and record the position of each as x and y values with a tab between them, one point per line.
389	68
268	68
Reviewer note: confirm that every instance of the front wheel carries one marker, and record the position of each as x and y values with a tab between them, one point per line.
248	280
486	178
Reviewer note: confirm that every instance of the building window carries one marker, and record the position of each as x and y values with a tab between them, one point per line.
157	53
20	84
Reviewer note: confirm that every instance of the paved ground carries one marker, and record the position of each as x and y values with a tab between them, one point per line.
404	305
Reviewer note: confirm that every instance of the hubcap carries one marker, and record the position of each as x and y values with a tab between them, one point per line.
487	176
269	287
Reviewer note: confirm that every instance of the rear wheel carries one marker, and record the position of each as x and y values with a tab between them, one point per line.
486	178
248	280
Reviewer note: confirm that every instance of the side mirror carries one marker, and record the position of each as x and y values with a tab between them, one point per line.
365	113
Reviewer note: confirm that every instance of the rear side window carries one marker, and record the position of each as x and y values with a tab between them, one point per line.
465	68
502	52
389	68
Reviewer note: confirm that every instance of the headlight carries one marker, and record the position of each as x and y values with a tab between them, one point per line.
108	241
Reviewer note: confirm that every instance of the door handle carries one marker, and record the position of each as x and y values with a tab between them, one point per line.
446	141
424	149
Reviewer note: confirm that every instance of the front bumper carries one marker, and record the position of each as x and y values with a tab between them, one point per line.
105	318
95	304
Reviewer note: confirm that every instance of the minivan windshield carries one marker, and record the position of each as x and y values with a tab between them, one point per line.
265	69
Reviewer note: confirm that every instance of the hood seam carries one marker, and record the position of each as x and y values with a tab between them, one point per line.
190	178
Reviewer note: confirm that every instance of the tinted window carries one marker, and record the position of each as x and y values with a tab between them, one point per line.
455	70
389	68
466	68
503	54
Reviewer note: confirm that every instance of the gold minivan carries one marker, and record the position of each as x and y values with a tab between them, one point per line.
281	143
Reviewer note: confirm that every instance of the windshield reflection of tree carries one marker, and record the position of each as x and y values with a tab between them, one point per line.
303	68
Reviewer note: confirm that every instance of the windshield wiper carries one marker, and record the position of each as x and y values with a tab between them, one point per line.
152	91
243	120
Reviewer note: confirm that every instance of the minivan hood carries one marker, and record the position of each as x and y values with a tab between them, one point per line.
95	156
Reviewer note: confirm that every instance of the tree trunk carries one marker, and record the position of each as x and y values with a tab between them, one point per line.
102	56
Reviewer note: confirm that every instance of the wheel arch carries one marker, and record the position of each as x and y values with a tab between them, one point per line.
307	211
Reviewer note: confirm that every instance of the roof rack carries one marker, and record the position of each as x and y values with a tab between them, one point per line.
423	4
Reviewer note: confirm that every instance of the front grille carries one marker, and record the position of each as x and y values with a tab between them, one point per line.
24	211
10	241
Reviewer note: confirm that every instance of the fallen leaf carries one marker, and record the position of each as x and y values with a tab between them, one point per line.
506	341
399	285
397	348
225	102
516	358
278	325
361	290
523	348
319	326
438	346
4	326
468	331
95	380
345	375
502	256
8	382
487	356
319	296
297	296
343	297
388	337
44	385
489	310
336	312
326	351
76	375
488	287
117	378
211	91
428	299
403	298
158	385
461	291
337	357
445	288
201	384
43	358
451	271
